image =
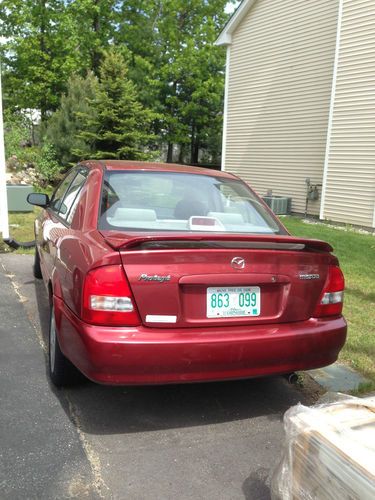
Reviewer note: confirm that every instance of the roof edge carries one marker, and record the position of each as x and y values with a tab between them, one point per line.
225	37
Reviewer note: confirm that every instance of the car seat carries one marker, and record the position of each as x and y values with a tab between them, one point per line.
187	208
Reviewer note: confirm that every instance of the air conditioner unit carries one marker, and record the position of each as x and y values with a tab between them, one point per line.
17	194
280	205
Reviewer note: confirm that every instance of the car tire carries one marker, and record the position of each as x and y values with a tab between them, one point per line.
61	371
36	267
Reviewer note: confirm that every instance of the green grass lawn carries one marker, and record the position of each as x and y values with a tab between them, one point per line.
356	253
21	224
21	228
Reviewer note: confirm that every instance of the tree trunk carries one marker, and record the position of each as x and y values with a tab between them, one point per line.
170	152
194	145
95	56
181	154
192	142
195	156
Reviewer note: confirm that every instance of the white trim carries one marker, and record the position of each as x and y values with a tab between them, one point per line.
373	218
331	109
4	223
225	37
225	116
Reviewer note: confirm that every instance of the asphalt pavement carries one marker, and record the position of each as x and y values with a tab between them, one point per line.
198	441
41	455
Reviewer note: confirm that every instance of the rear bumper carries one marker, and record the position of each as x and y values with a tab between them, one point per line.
140	355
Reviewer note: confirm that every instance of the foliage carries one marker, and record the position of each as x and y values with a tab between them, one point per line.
64	126
39	53
168	46
47	166
186	85
20	136
21	152
121	126
17	134
93	27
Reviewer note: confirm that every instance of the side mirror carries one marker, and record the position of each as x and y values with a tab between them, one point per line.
38	199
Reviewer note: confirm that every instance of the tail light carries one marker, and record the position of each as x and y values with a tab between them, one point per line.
331	299
107	299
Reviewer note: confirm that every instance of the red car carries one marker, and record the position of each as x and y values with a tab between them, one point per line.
165	273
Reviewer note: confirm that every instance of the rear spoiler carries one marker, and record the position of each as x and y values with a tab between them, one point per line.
121	241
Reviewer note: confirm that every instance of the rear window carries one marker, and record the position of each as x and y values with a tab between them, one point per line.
170	201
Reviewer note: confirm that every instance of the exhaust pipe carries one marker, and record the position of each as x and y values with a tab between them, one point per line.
292	378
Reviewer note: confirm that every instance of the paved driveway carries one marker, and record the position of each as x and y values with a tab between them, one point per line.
202	441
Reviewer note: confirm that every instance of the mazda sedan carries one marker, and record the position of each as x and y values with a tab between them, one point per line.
165	274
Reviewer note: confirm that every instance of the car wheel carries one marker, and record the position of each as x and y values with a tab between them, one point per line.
36	267
61	370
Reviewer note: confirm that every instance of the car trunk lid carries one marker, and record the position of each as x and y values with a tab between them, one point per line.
177	280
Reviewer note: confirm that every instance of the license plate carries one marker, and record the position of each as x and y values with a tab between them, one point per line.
227	302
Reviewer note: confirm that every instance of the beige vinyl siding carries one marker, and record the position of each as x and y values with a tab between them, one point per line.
350	191
280	79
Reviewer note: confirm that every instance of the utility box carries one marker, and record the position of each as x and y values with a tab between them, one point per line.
17	194
280	205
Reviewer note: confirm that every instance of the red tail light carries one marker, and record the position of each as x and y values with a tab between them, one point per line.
331	300
107	299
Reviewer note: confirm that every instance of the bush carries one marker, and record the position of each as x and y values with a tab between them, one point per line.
46	165
17	138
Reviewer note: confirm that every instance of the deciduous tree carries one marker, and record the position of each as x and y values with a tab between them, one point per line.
38	55
185	79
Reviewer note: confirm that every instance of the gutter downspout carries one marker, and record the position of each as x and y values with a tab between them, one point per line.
331	109
225	117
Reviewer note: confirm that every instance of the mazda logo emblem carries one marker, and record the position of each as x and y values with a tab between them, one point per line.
238	263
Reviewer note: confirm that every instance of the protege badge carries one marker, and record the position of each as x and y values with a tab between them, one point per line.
309	276
155	277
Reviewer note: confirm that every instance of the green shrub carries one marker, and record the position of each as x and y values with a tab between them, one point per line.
47	166
17	137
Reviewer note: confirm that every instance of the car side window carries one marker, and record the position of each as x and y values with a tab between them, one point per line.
71	198
58	195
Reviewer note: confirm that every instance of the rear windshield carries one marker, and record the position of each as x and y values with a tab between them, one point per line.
170	201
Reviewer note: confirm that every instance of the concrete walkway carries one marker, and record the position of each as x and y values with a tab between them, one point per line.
338	378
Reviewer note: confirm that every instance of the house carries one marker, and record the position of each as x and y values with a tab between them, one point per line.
300	103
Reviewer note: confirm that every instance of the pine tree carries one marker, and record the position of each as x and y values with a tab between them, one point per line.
121	127
64	126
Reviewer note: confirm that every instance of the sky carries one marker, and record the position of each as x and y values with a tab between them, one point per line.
230	8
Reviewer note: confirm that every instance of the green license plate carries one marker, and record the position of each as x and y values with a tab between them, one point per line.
234	302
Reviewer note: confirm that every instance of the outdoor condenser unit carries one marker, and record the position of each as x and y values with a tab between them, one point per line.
280	205
17	195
